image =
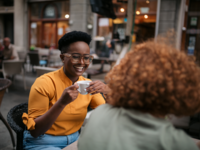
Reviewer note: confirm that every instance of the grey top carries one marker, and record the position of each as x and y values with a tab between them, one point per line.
111	128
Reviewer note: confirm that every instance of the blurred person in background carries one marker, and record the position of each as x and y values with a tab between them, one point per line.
9	51
1	52
1	58
56	110
106	51
152	81
1	46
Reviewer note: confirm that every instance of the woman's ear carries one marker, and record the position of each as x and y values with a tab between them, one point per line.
62	57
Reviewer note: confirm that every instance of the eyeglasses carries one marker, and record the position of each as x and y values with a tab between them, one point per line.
75	58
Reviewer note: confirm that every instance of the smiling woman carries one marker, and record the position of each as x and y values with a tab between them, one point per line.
56	110
75	65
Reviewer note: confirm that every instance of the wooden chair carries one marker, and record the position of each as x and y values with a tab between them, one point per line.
4	84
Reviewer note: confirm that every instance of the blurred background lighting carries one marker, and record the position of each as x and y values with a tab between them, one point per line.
147	1
145	16
67	16
137	12
122	9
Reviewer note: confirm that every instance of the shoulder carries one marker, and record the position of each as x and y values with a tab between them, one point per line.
102	110
177	139
44	82
11	46
104	107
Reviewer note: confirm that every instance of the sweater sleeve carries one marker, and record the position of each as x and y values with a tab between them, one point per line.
39	102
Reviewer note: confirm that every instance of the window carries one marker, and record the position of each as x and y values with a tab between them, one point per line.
50	12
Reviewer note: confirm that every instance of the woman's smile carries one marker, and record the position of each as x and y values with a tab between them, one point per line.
79	69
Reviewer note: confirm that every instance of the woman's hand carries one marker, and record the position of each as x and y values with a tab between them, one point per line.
44	122
98	87
69	94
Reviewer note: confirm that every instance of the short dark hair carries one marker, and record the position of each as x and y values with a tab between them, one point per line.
72	37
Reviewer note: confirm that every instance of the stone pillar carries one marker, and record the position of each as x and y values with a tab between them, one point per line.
168	15
129	18
180	23
19	26
81	16
168	20
78	15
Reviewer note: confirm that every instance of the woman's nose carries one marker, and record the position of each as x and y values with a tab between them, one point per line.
81	60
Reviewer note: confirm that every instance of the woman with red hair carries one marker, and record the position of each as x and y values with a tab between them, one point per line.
152	81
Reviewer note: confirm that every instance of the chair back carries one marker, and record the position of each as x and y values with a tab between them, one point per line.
54	58
14	119
12	67
4	83
22	55
34	58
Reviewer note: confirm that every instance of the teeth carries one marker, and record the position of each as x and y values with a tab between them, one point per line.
79	68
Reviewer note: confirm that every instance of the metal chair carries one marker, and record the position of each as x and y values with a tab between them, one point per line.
4	84
13	67
14	119
54	58
22	55
35	59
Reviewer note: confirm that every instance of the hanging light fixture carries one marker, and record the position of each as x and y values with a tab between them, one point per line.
137	12
146	16
122	9
67	16
147	1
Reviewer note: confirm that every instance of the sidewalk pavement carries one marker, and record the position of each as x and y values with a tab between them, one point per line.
17	95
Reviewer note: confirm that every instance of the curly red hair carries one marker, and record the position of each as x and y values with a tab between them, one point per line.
157	79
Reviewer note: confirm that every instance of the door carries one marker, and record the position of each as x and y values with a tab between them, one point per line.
49	35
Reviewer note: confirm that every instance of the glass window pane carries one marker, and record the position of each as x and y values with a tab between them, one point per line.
145	20
50	11
35	11
63	27
7	3
146	6
49	35
63	9
35	37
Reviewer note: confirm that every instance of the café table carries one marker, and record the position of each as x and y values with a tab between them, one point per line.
105	59
100	60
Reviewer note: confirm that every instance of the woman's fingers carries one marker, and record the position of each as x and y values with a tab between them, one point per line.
98	87
94	93
95	88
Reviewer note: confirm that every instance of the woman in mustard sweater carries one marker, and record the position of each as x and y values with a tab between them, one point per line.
56	110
